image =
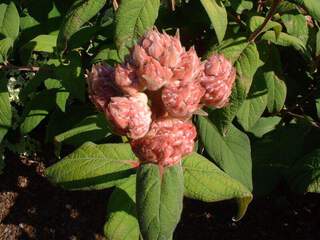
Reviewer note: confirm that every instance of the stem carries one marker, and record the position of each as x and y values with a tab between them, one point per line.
271	12
19	68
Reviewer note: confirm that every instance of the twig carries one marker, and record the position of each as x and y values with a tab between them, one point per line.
20	68
271	12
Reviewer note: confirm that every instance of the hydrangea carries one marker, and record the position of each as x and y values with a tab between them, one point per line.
151	97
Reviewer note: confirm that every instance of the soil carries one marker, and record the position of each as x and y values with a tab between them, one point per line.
31	208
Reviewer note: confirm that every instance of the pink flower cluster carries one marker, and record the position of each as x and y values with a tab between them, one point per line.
152	96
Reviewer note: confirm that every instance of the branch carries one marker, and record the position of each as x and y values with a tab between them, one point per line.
272	11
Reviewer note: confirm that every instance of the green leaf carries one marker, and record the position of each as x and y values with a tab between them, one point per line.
5	107
272	74
255	104
61	96
91	128
285	40
232	152
313	8
71	76
256	21
9	20
304	176
2	163
218	16
241	5
274	154
80	13
122	223
6	46
107	54
93	167
296	25
133	19
317	52
41	43
37	110
206	182
245	57
159	200
264	125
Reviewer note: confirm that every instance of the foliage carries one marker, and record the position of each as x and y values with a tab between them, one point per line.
267	135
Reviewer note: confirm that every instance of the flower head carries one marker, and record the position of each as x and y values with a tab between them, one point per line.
217	79
182	101
166	143
162	47
130	115
101	85
127	80
188	68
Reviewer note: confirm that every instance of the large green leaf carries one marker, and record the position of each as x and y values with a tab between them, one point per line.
305	173
255	104
122	223
206	182
274	154
80	13
218	16
133	19
296	25
94	167
9	20
91	128
232	152
5	107
159	200
37	110
245	57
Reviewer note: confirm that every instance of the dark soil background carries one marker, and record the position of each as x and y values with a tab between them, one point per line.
31	208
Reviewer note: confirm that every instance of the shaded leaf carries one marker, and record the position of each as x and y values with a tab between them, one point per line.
304	176
37	110
92	128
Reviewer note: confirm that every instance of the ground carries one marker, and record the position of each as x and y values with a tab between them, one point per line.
31	208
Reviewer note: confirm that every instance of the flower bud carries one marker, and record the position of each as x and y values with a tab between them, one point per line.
166	143
130	115
101	85
154	75
217	79
188	68
162	47
182	101
127	80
